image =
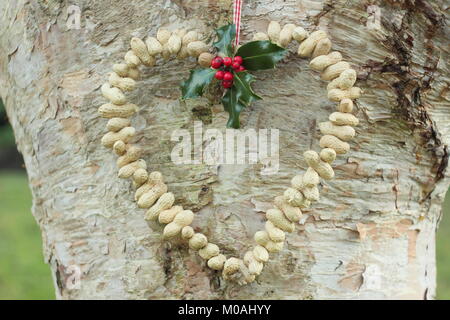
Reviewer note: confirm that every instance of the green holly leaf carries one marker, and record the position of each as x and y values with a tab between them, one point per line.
226	36
261	55
239	96
242	82
198	80
233	106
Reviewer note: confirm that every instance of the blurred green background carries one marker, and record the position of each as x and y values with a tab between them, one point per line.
23	273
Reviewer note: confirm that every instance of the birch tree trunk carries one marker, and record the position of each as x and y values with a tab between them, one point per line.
371	236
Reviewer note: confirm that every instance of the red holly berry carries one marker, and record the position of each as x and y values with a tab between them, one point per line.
227	61
238	59
236	66
227	84
241	69
219	75
216	63
228	76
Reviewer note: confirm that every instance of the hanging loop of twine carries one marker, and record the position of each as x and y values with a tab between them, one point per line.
237	9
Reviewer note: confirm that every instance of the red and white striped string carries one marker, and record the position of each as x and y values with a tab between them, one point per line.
237	8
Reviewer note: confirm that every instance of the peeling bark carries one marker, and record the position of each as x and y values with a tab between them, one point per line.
372	235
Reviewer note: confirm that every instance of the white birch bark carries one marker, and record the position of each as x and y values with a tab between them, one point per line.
371	236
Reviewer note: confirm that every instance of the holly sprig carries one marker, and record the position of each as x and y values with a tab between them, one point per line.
232	71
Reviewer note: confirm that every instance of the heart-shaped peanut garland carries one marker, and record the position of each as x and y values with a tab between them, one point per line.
151	191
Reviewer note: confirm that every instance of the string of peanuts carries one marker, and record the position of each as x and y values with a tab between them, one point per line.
151	191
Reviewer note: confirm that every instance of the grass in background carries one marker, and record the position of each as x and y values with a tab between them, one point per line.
23	273
6	133
443	253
